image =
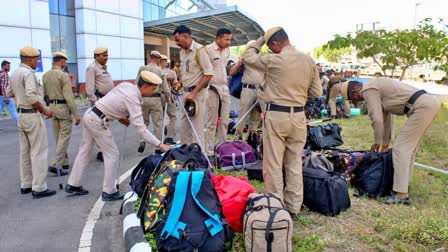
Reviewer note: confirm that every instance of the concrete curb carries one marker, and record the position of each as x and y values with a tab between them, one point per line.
134	239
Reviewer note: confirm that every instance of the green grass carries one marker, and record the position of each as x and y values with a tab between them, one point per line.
370	225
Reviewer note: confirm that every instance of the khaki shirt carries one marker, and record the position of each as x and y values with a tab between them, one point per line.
253	75
25	87
57	86
97	78
290	76
123	101
192	72
154	68
384	97
335	90
219	59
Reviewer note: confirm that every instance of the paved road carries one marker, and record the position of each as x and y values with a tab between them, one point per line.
56	223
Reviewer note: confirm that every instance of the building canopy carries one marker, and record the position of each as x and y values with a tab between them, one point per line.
205	24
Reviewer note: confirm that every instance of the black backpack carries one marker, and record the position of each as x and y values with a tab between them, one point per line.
194	221
141	173
190	154
374	176
324	191
324	136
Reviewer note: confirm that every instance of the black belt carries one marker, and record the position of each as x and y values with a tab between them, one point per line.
98	112
412	100
23	110
58	101
189	89
251	86
156	95
98	94
280	108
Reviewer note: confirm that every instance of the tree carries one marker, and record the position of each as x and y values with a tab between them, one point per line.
332	55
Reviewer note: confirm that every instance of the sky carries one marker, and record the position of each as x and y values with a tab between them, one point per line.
311	23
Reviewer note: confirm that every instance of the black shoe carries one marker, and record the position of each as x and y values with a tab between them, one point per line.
347	116
170	141
65	167
294	216
25	190
99	156
141	147
46	193
112	197
395	199
75	190
54	170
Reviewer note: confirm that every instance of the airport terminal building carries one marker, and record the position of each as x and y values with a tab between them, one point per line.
129	28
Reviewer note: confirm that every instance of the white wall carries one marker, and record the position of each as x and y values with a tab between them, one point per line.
25	23
116	24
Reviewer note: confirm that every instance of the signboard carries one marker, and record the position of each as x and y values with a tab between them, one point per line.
39	68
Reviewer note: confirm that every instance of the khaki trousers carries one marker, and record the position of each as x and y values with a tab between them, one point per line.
96	131
420	118
62	129
187	136
172	115
248	98
152	107
284	135
33	151
212	112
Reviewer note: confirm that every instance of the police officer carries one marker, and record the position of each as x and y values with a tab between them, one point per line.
171	108
252	91
123	102
196	72
386	97
98	79
32	131
290	77
218	102
335	85
58	92
152	106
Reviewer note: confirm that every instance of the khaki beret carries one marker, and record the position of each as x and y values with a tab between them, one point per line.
60	54
156	53
100	50
29	52
150	78
271	32
164	57
344	90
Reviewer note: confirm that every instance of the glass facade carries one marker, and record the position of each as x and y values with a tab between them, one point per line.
63	31
157	9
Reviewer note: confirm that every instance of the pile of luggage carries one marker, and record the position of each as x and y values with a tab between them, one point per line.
186	207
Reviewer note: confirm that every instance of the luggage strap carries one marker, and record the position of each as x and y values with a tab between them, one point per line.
269	236
243	158
173	225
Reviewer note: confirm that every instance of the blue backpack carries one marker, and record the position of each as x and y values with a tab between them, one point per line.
235	83
194	221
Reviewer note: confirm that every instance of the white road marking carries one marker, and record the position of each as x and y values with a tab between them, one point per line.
85	242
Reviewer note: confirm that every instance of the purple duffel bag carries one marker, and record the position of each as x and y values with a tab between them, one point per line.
234	155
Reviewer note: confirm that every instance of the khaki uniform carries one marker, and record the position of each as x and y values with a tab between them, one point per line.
334	92
122	101
219	60
172	109
192	73
97	79
386	97
254	77
32	130
290	77
152	106
57	86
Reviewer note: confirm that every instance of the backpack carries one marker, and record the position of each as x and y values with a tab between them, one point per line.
235	83
234	155
267	224
191	153
233	193
316	160
324	136
194	221
375	175
345	161
153	202
141	173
